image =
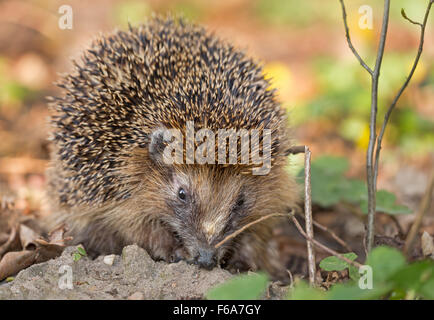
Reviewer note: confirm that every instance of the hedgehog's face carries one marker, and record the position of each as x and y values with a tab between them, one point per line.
206	204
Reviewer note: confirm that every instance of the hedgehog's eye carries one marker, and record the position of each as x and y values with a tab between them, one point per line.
182	194
239	203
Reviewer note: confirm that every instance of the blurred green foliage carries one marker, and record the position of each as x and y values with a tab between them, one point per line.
12	92
330	187
243	287
392	278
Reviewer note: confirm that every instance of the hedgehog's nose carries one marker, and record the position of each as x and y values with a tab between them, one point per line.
206	258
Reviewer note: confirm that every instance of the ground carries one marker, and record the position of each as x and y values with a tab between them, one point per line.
132	275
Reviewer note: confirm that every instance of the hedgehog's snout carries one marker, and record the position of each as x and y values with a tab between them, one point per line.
206	258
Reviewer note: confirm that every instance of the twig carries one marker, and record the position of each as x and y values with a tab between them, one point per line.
375	75
295	150
308	216
404	15
423	209
350	44
371	179
320	245
234	234
404	86
371	165
332	234
290	215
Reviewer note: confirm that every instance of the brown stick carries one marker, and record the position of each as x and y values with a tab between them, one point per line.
234	234
350	44
423	209
290	215
332	234
320	245
295	150
308	217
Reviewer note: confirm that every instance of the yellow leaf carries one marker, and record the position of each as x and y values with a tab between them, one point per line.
363	140
280	78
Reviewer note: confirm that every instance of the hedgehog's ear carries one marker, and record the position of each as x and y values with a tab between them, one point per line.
166	147
156	146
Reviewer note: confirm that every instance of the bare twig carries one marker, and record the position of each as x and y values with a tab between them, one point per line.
234	234
332	234
404	15
374	141
295	150
320	245
423	209
291	216
350	44
371	181
308	216
404	86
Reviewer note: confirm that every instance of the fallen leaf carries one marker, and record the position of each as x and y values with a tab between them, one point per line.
13	243
58	235
427	242
3	238
27	237
13	262
48	250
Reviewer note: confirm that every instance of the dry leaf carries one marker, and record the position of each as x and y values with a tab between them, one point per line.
3	238
13	262
13	243
427	242
58	235
27	237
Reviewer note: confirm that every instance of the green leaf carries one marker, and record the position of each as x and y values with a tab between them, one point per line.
76	256
302	291
353	292
427	290
81	251
243	287
397	294
330	165
385	261
415	275
333	263
385	202
353	272
355	190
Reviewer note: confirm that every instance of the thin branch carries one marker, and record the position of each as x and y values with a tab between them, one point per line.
375	74
295	150
234	234
291	216
423	209
320	245
404	86
350	44
332	234
404	15
308	217
370	176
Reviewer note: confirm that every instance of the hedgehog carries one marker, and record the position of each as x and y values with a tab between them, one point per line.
107	181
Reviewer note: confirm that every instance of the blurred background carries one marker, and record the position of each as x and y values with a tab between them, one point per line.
303	49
